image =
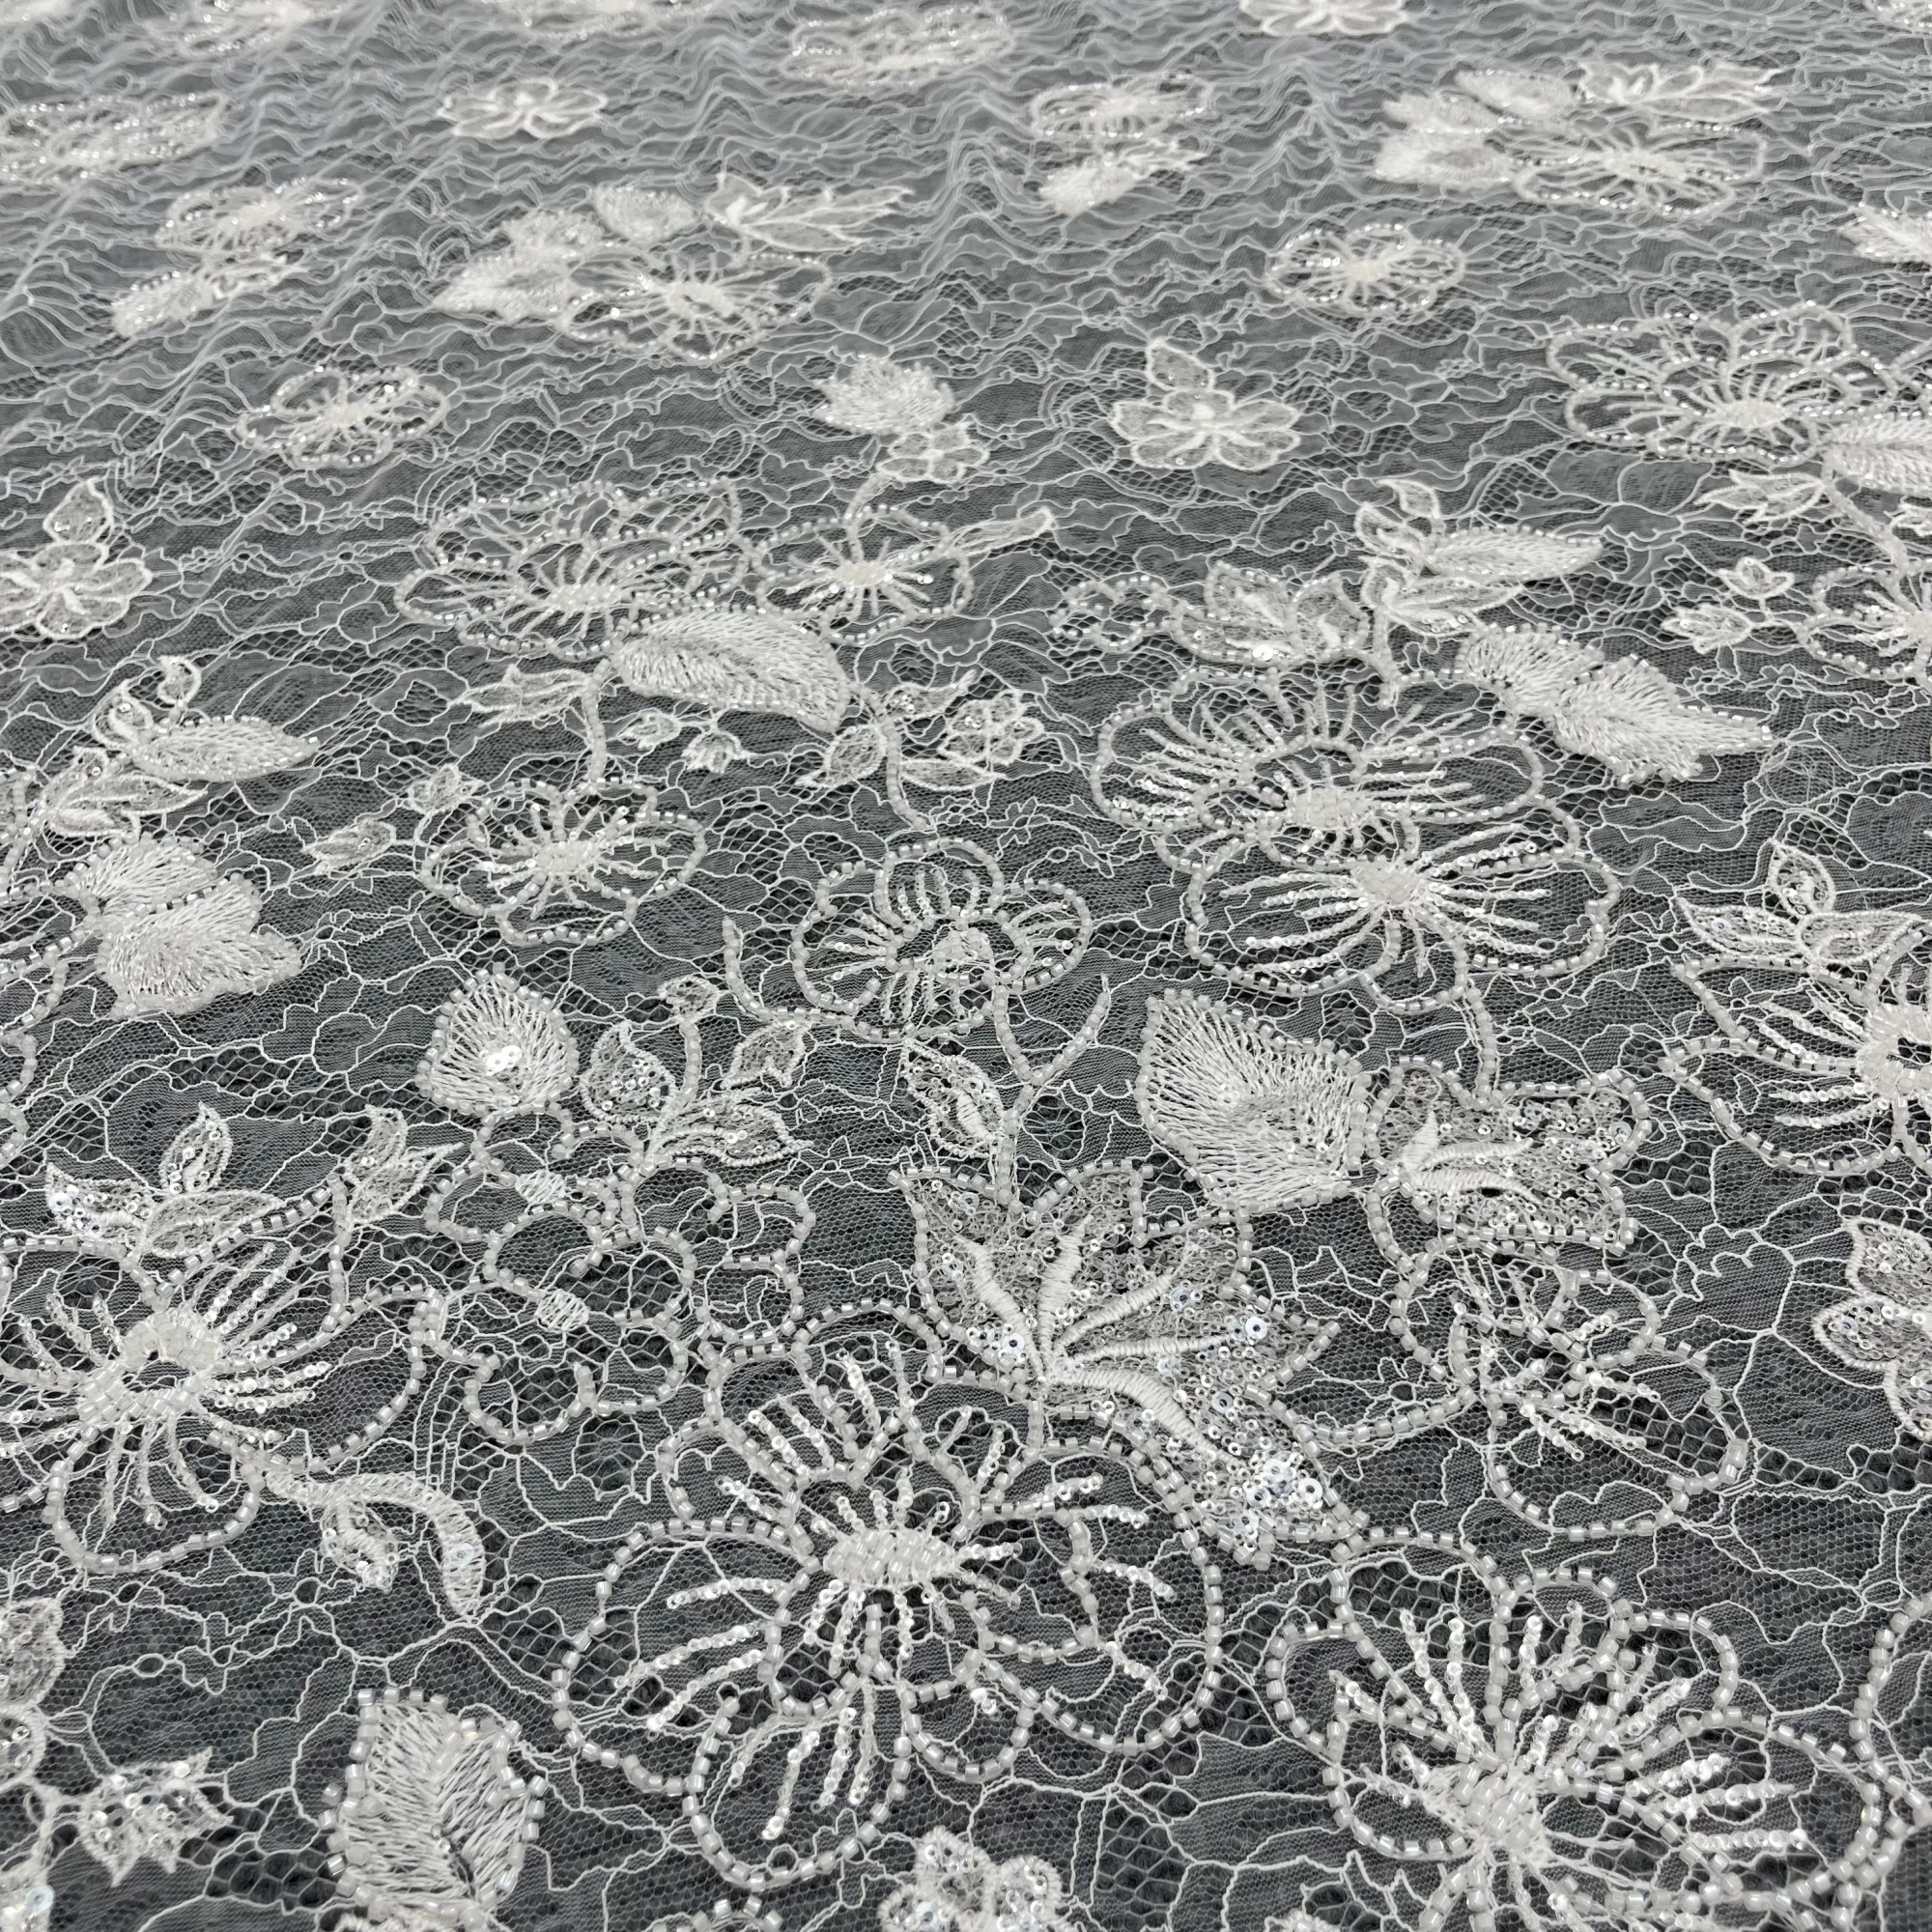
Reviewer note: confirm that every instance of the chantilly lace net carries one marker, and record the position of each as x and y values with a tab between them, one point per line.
966	967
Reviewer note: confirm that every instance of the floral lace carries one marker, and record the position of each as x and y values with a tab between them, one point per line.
965	967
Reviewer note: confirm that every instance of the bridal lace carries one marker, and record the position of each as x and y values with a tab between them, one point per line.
966	966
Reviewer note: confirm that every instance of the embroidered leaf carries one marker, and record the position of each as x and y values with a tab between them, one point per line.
192	1224
625	1083
824	223
384	1171
963	1109
531	697
219	748
1744	933
1263	1120
149	1811
736	661
770	1056
1174	371
726	1130
1881	236
84	515
1507	556
1882	452
90	800
1622	711
95	1209
643	216
1717	94
1767	499
855	754
199	1156
32	1655
434	1822
999	533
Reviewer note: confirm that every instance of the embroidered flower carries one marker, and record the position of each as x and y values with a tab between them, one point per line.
1547	1740
568	575
1816	1070
557	868
1639	140
1185	421
339	420
1311	758
1886	1324
1408	910
956	1888
1357	17
546	110
898	48
880	1575
882	565
141	1404
915	947
1121	134
1764	391
1381	269
1874	622
73	585
699	297
240	237
54	141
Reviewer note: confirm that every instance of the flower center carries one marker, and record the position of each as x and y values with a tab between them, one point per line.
1896	1060
891	1558
1328	808
1386	882
503	1060
1750	413
961	948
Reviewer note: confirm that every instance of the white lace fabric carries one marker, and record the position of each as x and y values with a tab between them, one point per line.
965	966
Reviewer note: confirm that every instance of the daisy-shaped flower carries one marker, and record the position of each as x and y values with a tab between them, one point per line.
1763	392
1886	1322
546	110
881	566
914	946
554	867
1545	1755
1411	911
697	298
339	420
848	1561
1822	1071
570	574
898	48
1358	18
1186	421
1874	621
1381	269
1313	757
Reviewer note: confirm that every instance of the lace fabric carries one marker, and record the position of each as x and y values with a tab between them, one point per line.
965	966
